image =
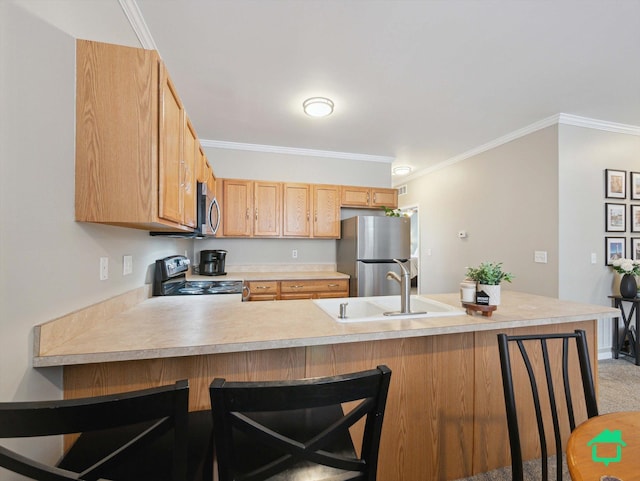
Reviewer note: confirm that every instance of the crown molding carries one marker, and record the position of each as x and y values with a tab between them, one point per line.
139	26
274	149
564	119
577	121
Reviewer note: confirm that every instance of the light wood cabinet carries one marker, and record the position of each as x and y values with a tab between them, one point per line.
314	289
251	208
352	196
301	201
297	289
262	290
188	184
130	141
326	211
267	206
297	210
237	208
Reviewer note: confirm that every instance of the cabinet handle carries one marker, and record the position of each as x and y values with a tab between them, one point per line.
247	214
256	213
367	197
315	216
374	198
296	287
333	285
307	216
262	287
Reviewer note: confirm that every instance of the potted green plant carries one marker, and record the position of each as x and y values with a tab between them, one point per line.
488	276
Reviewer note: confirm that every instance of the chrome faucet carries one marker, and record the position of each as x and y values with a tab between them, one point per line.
405	286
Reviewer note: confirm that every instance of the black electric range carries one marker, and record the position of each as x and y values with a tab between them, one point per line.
170	279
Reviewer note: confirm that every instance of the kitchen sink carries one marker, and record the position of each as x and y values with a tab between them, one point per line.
384	308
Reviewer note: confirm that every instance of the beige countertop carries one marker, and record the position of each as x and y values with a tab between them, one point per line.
162	327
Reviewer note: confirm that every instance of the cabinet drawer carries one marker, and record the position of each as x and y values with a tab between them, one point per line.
320	285
262	290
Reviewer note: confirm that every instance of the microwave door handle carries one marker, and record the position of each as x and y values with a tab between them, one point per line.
214	204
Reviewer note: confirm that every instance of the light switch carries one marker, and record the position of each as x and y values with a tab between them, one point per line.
104	268
540	257
127	265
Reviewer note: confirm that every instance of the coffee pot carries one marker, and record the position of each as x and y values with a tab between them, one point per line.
212	262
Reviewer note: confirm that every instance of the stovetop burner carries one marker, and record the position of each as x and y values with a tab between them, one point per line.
170	280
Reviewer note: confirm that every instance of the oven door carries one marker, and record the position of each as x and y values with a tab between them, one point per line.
208	211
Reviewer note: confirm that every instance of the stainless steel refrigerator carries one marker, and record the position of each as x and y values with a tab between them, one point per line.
366	250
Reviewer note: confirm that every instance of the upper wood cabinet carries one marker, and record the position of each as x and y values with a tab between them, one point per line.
188	183
297	210
267	208
251	208
369	197
131	168
237	207
326	211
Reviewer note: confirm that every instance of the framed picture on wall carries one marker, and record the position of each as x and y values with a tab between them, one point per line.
614	249
634	185
616	184
635	248
616	219
634	213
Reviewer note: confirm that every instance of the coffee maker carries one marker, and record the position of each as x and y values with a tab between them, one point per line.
212	263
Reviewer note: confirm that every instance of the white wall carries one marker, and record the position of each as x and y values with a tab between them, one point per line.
48	262
584	156
506	200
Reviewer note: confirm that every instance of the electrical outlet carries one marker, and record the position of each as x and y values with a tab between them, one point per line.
104	268
540	257
294	253
594	258
127	265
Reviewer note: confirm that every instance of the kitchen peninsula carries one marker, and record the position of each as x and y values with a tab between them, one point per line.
445	412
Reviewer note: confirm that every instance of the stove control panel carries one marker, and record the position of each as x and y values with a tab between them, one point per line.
173	266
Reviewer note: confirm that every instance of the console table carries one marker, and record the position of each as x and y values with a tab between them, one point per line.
629	310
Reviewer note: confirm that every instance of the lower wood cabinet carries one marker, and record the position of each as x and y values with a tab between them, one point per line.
296	289
314	289
262	290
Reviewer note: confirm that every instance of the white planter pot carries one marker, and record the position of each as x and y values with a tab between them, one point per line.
493	292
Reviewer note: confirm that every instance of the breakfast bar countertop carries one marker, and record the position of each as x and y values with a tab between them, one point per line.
163	327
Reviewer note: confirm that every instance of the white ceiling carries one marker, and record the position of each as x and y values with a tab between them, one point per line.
419	81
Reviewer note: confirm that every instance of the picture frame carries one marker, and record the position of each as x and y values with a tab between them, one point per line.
614	249
634	218
615	217
615	184
634	246
634	185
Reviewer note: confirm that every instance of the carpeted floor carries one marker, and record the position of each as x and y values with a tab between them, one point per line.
618	390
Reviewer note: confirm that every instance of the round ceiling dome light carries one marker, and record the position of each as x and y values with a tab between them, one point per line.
318	106
401	170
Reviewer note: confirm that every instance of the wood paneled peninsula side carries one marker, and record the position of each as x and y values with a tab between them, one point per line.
445	413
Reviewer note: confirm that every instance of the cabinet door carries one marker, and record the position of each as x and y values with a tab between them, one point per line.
354	196
296	210
326	211
267	206
384	197
171	150
191	153
236	214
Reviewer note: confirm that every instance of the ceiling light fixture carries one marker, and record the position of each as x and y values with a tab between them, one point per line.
317	106
401	170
